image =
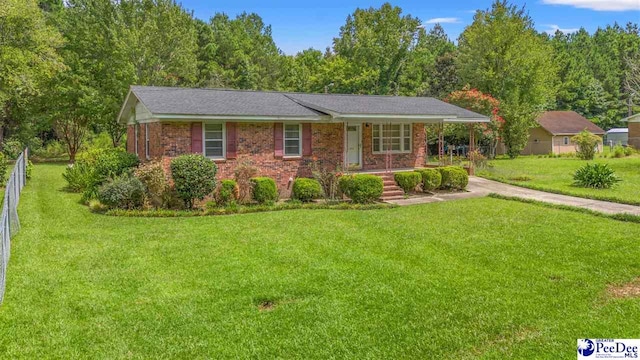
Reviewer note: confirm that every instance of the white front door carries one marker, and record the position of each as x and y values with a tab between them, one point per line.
353	146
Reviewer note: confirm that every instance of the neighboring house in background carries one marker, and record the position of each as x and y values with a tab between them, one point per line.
617	136
633	124
555	132
282	133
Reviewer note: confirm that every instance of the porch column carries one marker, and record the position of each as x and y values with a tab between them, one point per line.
472	147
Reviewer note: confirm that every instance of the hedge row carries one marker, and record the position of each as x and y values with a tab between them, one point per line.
447	178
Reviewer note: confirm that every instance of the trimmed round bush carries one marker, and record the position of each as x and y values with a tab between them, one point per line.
227	192
194	177
265	190
125	192
407	180
431	179
361	188
305	189
453	178
597	176
155	181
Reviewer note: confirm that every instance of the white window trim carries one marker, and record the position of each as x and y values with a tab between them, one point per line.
402	136
224	140
284	141
135	138
146	141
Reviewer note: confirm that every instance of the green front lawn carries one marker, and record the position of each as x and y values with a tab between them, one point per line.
556	175
464	279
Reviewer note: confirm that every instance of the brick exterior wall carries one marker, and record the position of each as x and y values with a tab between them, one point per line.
416	158
634	134
255	146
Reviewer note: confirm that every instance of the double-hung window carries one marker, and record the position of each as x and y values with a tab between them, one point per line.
292	140
391	137
213	140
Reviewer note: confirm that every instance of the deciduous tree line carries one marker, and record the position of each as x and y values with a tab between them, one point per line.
65	68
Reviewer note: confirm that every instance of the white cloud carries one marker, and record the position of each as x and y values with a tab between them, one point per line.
598	5
553	28
443	20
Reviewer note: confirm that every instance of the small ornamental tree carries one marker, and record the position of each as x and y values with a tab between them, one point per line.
194	177
586	144
481	103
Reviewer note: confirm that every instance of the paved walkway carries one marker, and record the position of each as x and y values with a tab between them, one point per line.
479	187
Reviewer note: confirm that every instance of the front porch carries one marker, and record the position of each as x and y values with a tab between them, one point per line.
395	146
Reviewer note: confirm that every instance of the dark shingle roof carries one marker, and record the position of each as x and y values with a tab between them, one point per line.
186	101
567	123
383	105
220	102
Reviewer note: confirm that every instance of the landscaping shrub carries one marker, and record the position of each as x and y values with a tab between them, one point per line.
453	178
264	190
586	143
94	168
629	150
305	189
155	181
328	175
407	180
597	176
361	188
194	177
114	162
243	173
618	151
3	169
124	192
431	179
227	192
52	150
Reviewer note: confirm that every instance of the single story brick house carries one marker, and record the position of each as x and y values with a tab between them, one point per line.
553	135
633	124
282	133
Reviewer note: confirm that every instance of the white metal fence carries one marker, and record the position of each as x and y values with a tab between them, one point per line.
10	224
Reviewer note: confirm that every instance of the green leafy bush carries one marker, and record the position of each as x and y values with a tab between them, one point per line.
194	177
12	148
305	189
431	179
587	143
124	192
618	151
54	149
629	150
361	188
29	169
264	190
453	178
408	180
155	181
94	168
3	169
597	176
227	192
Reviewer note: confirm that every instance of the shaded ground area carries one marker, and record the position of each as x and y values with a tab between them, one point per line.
463	279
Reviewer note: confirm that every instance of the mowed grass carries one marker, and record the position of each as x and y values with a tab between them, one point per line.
556	174
473	278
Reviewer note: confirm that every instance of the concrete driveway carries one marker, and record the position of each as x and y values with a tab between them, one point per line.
482	187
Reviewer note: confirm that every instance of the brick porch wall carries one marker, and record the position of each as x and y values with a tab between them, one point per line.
416	158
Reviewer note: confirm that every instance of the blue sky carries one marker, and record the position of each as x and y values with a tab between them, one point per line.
300	24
